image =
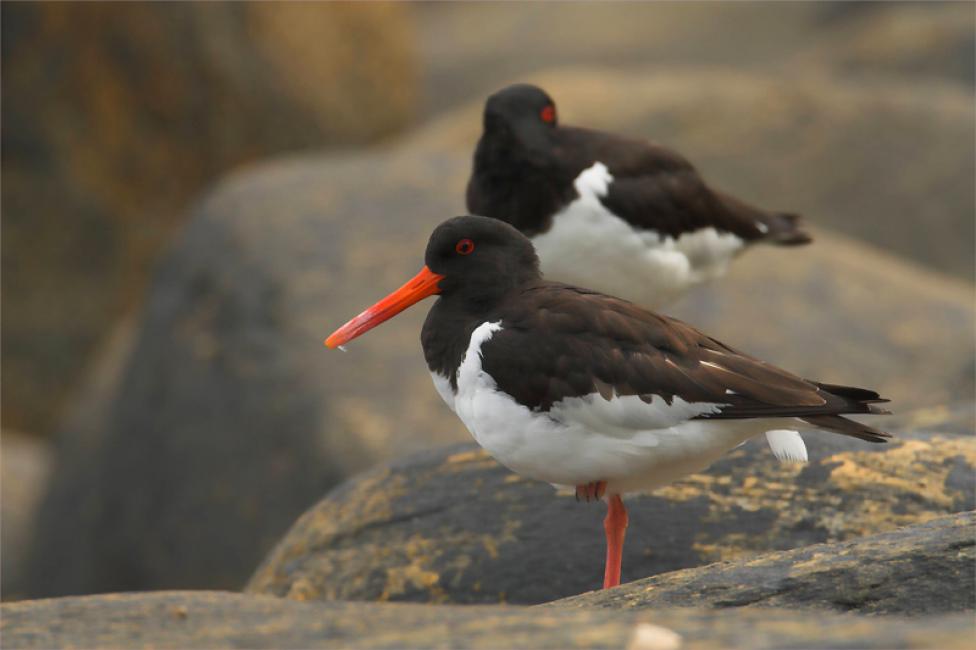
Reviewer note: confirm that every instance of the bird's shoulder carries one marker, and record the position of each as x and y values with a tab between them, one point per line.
623	156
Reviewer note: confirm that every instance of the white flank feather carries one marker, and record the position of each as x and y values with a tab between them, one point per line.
787	445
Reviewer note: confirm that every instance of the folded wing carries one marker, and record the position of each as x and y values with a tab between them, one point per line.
630	368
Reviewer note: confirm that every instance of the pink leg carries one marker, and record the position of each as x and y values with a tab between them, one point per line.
616	526
588	491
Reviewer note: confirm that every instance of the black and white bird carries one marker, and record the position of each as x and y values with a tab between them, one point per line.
578	388
622	216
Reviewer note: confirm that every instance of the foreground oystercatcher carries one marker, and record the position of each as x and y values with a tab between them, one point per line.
623	216
577	388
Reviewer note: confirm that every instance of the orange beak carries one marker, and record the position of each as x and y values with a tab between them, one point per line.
419	287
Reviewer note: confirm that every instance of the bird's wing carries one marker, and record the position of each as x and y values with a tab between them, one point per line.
655	188
571	348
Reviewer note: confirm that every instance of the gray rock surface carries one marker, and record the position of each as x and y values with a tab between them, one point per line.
25	466
454	526
226	620
909	40
913	571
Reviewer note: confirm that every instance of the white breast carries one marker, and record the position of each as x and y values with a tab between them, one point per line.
443	386
632	445
589	246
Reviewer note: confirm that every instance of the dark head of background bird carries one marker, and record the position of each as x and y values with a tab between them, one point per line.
519	125
471	262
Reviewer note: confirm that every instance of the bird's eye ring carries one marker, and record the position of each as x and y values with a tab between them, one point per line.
548	114
464	247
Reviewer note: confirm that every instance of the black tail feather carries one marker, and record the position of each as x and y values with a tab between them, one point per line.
859	400
844	426
784	229
853	393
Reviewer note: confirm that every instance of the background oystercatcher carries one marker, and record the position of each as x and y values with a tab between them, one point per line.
574	387
623	216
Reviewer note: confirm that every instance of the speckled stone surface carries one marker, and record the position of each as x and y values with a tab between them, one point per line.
913	571
226	620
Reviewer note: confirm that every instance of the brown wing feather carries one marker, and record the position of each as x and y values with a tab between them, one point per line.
559	341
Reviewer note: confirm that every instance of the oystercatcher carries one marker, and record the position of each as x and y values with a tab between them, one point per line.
577	388
623	216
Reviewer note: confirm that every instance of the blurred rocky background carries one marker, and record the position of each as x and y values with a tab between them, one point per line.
194	195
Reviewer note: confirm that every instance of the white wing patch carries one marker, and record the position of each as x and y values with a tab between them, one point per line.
469	373
787	445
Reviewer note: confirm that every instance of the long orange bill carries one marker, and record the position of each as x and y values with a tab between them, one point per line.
419	287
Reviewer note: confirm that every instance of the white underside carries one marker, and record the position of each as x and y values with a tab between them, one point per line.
589	246
632	445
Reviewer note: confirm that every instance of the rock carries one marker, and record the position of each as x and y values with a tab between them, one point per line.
222	620
25	466
886	161
231	418
68	560
915	570
911	40
115	116
454	526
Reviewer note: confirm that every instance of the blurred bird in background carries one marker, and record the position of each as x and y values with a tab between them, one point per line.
623	216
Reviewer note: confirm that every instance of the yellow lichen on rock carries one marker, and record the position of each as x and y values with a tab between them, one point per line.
420	551
914	466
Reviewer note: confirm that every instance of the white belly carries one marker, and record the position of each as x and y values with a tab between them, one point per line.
587	439
589	246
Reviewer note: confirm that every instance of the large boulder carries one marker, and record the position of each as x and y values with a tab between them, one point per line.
454	526
915	570
116	115
226	620
230	418
911	40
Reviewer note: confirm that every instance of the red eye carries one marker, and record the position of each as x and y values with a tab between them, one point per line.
548	114
464	247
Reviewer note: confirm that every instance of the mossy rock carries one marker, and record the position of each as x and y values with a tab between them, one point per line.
454	526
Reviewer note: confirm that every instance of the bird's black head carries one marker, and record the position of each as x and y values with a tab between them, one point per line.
520	116
481	258
470	261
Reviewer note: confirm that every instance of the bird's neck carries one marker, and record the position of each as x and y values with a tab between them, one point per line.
451	321
445	336
514	188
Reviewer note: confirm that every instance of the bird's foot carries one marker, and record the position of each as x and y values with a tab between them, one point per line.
591	491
